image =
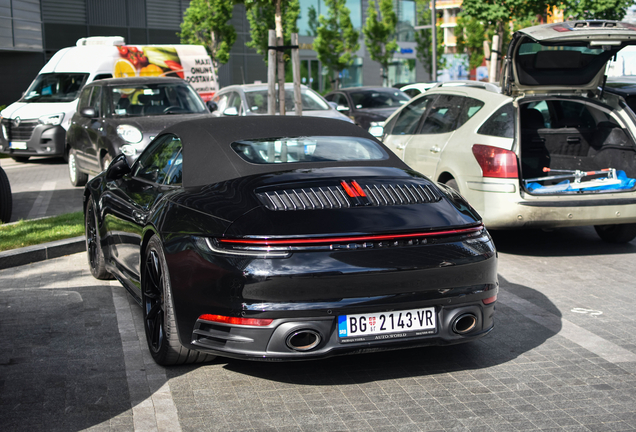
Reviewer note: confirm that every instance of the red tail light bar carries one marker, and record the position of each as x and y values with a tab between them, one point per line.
236	320
353	239
496	162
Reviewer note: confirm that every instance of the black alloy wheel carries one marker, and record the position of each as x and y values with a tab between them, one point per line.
159	319
96	260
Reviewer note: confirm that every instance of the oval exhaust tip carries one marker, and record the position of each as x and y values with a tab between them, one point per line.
303	340
464	323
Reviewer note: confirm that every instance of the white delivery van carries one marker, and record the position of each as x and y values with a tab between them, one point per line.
36	125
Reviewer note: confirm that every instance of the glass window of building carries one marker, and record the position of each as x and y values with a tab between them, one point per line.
310	10
406	20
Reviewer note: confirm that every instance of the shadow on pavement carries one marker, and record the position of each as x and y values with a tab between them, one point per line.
61	201
61	359
576	241
514	335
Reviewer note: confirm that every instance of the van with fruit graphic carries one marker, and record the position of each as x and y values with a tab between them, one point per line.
36	124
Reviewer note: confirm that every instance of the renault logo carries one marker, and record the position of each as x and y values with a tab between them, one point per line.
16	121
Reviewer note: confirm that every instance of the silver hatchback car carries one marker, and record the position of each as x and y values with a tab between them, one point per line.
251	99
550	148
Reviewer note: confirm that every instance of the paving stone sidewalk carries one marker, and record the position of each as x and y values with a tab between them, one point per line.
562	358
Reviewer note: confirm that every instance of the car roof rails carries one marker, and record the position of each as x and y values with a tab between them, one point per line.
494	88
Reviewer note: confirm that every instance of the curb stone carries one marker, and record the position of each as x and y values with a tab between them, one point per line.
41	252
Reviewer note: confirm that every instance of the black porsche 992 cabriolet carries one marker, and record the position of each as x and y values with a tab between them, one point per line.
274	238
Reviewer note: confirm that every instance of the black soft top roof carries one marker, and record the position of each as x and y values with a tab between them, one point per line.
208	157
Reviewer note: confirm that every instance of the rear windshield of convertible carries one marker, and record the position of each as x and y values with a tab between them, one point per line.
308	149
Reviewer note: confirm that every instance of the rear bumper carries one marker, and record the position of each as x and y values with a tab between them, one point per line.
45	140
503	206
270	343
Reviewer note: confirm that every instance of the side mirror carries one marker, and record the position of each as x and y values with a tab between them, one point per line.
212	106
88	112
231	111
118	168
342	108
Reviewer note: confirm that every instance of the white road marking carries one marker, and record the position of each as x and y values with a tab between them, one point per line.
150	396
41	203
603	348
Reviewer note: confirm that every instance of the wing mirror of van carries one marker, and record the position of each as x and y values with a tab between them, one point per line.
118	168
88	112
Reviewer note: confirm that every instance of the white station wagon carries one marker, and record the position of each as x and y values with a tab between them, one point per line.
550	148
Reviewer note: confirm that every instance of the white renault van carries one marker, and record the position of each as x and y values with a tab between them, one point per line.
36	124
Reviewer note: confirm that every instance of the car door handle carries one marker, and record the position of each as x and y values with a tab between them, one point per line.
435	149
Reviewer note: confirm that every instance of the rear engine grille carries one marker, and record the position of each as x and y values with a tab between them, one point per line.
20	133
335	197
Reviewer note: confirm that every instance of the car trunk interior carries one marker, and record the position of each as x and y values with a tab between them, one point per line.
560	137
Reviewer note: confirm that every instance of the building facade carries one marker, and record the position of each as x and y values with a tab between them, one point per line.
31	31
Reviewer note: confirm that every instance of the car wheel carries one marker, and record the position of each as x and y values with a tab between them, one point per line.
622	233
158	310
77	177
21	159
452	183
6	201
96	261
106	160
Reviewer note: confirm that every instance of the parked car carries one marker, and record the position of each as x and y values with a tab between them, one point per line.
281	238
6	201
416	89
549	150
368	106
251	100
36	124
122	115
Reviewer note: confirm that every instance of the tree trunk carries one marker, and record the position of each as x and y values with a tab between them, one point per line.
280	57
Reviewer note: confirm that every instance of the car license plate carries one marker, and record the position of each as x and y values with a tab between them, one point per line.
18	145
386	325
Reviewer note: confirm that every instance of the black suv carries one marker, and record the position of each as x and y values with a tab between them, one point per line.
122	115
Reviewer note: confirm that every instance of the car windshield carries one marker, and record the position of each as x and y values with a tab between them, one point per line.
378	98
55	87
154	99
257	100
308	149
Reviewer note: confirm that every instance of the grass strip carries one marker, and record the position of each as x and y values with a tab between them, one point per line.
32	232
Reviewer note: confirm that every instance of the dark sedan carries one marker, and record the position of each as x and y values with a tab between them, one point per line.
367	105
279	238
122	115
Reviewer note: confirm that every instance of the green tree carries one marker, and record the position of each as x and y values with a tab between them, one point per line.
424	40
206	22
336	41
312	21
379	35
597	9
262	17
470	34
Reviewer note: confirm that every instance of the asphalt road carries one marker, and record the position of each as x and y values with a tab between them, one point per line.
561	358
41	187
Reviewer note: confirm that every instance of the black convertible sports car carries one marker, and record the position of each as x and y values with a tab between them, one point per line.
272	238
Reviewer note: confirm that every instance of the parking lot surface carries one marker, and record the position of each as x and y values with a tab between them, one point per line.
562	357
41	188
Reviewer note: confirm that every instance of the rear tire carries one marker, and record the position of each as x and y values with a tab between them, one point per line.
77	177
6	201
94	253
21	159
158	310
622	233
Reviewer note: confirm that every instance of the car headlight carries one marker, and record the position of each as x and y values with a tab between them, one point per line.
51	119
376	129
129	133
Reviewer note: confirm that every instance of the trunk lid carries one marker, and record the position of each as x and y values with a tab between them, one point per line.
567	57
